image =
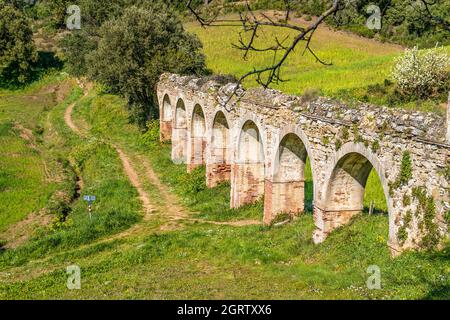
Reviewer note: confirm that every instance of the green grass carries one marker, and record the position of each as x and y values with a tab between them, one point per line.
23	186
358	64
356	61
117	206
210	262
26	181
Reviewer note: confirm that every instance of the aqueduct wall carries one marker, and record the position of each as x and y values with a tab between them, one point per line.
262	143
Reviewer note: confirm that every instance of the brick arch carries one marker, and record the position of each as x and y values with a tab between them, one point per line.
180	114
344	187
198	122
237	131
285	189
248	169
197	138
212	121
296	130
167	109
166	115
180	133
218	164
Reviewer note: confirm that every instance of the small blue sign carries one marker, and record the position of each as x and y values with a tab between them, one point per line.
90	198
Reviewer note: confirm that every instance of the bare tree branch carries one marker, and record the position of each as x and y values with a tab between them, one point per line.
253	23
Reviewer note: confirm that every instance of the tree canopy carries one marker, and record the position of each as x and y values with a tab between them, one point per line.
130	51
17	51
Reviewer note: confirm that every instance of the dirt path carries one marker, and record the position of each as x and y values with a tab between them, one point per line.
172	211
176	212
68	120
126	163
134	179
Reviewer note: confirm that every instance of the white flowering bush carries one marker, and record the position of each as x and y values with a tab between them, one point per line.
422	72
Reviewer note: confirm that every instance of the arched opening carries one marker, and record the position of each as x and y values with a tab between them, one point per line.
166	120
285	193
167	109
347	191
218	168
374	199
179	138
198	138
248	170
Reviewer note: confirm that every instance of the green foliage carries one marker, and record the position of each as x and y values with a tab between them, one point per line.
402	235
75	46
53	12
151	137
404	175
406	200
17	51
194	182
79	43
405	169
356	135
426	210
403	21
60	208
345	134
136	48
338	144
422	73
375	146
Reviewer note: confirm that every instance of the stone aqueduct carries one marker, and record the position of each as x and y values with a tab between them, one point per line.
261	145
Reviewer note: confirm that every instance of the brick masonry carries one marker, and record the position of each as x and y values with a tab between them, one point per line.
260	143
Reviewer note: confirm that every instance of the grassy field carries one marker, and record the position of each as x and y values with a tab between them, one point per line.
26	177
64	154
359	67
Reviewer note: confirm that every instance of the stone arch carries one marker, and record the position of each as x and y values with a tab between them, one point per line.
218	167
180	133
166	118
166	109
237	132
197	154
248	172
285	190
296	130
344	188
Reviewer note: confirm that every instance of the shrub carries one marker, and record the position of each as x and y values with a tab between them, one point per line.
194	182
17	50
421	73
136	48
151	136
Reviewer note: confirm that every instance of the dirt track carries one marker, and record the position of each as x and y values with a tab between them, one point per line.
171	209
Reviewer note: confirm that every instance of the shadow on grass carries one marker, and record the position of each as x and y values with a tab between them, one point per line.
46	61
439	291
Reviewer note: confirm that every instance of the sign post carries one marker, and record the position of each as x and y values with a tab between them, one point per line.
90	200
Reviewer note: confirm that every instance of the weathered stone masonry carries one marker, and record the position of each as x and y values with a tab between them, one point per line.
262	143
